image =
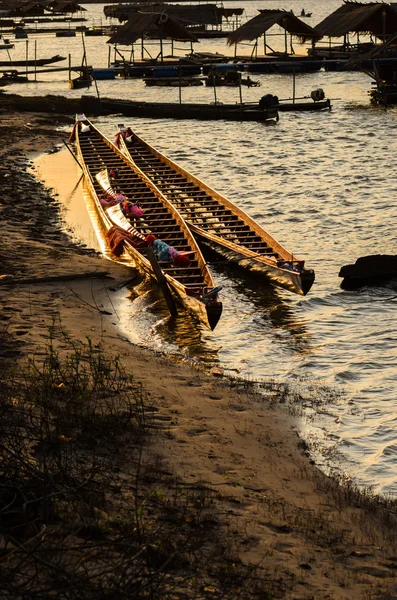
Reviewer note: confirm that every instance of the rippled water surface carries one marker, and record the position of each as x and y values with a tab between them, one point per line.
324	186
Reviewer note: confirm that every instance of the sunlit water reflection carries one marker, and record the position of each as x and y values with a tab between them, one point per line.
324	186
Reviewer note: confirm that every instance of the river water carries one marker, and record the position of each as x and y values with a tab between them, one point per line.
324	186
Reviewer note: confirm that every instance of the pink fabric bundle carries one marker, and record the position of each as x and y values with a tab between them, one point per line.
135	211
180	260
106	200
131	210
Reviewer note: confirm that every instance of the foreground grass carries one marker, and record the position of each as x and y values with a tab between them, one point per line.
85	511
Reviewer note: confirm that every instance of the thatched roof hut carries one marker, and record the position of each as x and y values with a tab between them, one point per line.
37	8
66	6
34	8
199	14
259	25
376	18
142	23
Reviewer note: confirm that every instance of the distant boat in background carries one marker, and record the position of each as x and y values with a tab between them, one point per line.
229	79
173	81
39	62
12	77
5	44
84	80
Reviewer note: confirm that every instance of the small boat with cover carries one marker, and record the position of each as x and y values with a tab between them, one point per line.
217	223
141	222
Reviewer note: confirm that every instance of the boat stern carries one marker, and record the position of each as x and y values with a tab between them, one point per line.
307	279
214	311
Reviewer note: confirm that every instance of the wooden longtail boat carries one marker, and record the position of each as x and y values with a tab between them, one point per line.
39	62
216	222
84	80
176	110
191	284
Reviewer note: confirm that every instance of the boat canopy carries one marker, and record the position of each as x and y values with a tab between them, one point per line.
141	23
257	26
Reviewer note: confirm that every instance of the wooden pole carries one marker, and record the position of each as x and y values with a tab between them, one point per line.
35	60
162	281
84	61
384	25
70	66
27	56
73	154
293	86
214	84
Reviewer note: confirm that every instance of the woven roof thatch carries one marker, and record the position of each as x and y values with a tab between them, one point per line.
254	28
139	24
66	6
32	9
354	17
200	14
25	8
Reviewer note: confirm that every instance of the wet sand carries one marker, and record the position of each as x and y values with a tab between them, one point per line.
308	536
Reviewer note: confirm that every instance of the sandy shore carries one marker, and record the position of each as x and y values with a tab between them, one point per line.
307	536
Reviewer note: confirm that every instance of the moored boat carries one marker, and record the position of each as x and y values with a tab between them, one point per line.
12	77
84	80
173	81
217	223
242	111
39	62
229	79
134	212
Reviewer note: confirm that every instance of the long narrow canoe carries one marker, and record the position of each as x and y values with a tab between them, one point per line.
112	176
216	222
176	110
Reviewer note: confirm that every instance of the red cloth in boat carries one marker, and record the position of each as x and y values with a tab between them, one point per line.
117	237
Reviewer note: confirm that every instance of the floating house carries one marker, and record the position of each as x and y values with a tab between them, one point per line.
259	26
375	21
146	26
207	20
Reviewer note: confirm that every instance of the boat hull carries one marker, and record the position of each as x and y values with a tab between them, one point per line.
304	106
298	283
208	311
278	265
159	110
40	62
